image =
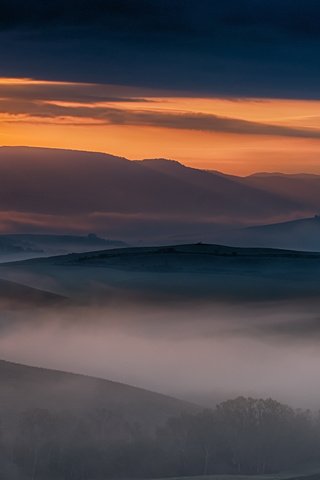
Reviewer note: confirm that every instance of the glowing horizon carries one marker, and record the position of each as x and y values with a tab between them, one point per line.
234	135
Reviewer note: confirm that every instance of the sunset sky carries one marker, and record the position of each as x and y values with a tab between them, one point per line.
235	135
230	86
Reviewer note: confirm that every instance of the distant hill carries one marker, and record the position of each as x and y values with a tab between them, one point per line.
130	199
302	234
22	246
142	201
301	188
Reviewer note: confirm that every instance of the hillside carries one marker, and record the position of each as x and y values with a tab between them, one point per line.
59	424
179	272
119	196
24	387
303	188
14	295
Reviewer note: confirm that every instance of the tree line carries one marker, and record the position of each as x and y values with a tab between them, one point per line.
240	436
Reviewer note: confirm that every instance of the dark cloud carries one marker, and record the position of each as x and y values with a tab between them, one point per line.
106	115
168	16
208	123
235	47
63	93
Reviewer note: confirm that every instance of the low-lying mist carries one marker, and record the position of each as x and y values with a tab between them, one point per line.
200	352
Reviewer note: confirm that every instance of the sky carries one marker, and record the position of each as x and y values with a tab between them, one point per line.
230	86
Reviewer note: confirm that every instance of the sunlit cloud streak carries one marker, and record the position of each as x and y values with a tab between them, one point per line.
232	134
30	100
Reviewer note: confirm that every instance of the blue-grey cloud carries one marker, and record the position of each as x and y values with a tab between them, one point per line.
235	47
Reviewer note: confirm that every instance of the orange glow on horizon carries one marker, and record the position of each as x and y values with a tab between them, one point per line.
87	117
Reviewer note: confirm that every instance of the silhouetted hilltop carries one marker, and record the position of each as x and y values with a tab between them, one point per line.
193	253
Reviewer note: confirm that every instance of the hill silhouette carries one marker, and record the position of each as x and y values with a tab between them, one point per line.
59	189
182	273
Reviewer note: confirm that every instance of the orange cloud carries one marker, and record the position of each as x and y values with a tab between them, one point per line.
234	135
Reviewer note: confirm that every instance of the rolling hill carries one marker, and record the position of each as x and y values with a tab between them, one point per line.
179	272
24	387
118	196
57	425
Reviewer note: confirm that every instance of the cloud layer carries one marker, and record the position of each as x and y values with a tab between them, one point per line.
28	101
236	47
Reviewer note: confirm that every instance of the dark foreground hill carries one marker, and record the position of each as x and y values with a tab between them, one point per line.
24	387
57	425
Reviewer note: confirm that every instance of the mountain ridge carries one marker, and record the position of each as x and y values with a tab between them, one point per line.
76	191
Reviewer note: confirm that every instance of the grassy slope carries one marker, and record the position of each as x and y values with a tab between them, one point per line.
23	387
